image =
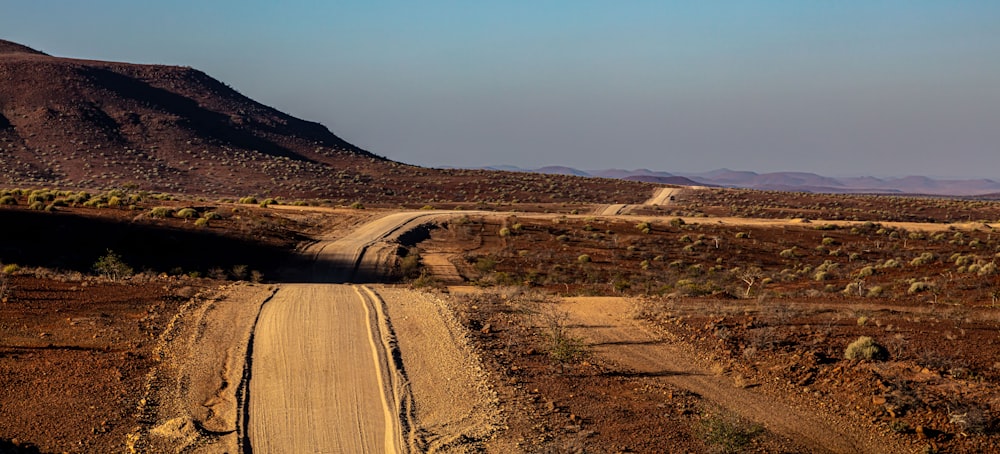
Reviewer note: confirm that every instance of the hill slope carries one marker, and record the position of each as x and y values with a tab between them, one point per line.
92	124
69	121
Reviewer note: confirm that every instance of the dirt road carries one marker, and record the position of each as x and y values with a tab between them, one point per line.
322	379
614	335
662	196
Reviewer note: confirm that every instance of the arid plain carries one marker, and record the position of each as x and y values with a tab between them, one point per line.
187	270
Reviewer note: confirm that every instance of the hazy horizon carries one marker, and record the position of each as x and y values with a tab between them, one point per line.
888	88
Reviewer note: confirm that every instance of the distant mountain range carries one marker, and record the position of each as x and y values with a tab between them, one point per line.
788	181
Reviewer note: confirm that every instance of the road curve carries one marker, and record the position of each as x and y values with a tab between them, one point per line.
662	196
322	377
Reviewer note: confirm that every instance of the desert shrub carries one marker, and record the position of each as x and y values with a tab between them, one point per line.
865	348
211	216
561	346
677	222
485	264
504	232
40	196
249	200
891	263
866	271
256	277
728	435
357	206
112	267
743	235
409	264
828	241
239	272
161	212
186	213
788	253
10	268
963	260
583	258
8	200
268	202
201	222
919	286
217	273
854	288
37	205
875	291
988	269
923	259
562	238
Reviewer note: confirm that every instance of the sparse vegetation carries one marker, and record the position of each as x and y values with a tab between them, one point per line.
112	267
865	348
727	433
563	347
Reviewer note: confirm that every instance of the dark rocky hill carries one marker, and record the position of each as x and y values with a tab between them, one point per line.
73	123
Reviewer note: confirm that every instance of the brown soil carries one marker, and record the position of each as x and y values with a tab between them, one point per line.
69	340
937	390
74	356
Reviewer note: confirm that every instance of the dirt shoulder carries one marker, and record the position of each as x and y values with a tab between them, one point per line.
193	398
455	407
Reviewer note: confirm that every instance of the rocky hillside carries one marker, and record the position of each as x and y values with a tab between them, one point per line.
76	122
73	123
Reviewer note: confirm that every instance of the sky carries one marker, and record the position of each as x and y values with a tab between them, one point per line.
839	88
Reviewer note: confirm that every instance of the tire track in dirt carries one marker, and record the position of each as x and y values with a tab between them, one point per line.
319	375
605	324
326	376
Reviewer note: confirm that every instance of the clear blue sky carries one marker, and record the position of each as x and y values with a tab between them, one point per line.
846	87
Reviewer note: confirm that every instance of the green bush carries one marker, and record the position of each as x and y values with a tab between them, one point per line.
728	435
239	272
409	265
485	264
923	259
186	213
112	267
865	348
161	212
920	286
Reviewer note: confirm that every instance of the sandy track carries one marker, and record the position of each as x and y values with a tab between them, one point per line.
607	327
660	197
323	375
320	374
